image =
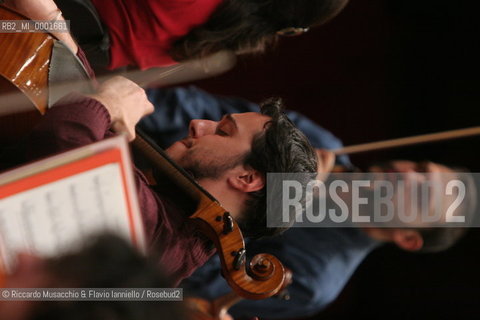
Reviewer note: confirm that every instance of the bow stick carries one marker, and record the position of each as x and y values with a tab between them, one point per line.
408	141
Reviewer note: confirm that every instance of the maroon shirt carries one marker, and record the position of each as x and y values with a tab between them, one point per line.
77	121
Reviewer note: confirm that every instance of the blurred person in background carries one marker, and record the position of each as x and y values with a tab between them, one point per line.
104	261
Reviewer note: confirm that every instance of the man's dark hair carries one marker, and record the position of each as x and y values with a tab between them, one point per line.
108	262
439	239
251	25
281	148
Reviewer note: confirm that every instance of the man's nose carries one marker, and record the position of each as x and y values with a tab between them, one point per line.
200	128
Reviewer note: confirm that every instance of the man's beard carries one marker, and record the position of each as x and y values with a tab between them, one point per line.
213	169
210	170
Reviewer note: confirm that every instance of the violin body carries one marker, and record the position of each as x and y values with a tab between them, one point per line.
25	61
24	68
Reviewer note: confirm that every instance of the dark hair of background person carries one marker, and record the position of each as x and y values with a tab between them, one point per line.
440	239
245	26
108	262
281	148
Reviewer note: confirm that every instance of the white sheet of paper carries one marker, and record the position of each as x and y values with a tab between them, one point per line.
53	218
49	219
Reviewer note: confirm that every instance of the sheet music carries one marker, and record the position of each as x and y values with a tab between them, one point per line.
52	210
48	219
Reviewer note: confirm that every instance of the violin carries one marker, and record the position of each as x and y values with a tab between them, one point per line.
24	76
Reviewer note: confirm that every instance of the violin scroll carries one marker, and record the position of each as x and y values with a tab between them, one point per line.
262	278
262	266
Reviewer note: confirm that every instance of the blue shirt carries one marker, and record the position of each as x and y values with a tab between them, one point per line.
322	260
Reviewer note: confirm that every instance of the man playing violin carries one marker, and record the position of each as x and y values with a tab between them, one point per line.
322	260
229	158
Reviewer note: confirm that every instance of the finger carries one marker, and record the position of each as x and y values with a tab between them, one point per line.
119	127
326	160
329	161
149	108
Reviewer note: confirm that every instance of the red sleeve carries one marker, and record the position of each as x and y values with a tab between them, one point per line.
143	31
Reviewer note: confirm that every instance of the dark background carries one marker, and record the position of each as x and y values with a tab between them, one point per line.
385	69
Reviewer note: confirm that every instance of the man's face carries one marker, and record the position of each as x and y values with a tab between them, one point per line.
418	173
407	235
212	147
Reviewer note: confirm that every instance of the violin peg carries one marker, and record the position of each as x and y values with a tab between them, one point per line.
239	260
227	223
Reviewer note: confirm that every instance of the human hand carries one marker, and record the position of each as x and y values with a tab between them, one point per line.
126	103
226	316
43	10
34	9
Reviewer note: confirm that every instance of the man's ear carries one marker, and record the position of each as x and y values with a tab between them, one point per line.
409	240
247	180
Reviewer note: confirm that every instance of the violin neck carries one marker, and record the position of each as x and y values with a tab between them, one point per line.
168	168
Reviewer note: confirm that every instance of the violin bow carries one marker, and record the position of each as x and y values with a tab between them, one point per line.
408	141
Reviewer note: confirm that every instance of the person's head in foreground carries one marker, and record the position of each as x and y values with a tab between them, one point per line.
418	236
231	157
106	262
246	26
